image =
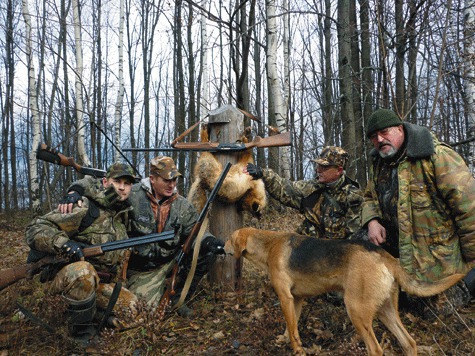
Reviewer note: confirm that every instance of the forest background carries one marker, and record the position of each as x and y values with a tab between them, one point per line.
91	77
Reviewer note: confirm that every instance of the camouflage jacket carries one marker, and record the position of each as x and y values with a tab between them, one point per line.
331	211
435	208
49	232
180	216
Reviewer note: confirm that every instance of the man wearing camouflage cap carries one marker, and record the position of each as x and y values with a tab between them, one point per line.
330	203
158	207
99	220
420	200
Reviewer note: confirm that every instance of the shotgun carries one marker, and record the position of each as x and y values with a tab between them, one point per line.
282	139
187	245
48	154
11	275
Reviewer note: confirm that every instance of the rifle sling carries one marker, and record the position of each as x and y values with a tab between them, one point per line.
32	317
191	273
110	306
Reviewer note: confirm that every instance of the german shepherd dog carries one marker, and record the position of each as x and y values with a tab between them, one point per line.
369	278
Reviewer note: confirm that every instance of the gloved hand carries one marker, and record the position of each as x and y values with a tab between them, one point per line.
254	171
213	245
67	202
73	250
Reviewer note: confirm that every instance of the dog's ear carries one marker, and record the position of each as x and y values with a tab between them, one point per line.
240	243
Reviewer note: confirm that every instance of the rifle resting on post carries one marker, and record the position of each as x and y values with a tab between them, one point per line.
11	275
48	154
282	139
185	250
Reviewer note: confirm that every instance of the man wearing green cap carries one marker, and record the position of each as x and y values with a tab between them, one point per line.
330	203
158	207
420	201
96	221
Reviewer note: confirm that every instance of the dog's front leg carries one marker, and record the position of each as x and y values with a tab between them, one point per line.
288	308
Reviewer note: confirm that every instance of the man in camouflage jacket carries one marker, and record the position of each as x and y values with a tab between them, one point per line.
158	207
330	203
79	282
420	199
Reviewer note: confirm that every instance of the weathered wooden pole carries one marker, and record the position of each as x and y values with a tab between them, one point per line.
226	124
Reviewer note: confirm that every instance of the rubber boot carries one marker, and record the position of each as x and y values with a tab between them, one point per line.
80	314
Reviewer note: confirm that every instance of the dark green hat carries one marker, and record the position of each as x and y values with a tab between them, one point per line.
381	119
118	170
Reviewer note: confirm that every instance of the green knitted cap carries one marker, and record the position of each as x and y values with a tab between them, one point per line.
381	119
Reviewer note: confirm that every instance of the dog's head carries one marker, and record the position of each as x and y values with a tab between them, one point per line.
236	245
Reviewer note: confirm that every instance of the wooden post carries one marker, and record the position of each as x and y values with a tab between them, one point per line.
226	124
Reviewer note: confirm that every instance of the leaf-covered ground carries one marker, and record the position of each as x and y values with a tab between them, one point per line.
244	322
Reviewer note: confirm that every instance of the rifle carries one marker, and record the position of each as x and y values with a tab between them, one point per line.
185	250
282	139
11	275
48	154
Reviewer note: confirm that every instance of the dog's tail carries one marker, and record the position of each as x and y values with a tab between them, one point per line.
420	288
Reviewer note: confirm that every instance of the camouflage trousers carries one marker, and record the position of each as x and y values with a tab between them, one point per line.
79	281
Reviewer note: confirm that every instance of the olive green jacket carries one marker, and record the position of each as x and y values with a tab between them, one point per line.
48	233
330	210
436	207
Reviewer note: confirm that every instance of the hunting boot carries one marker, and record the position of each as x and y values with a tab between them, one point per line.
80	314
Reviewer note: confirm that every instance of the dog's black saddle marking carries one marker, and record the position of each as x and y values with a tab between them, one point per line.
309	254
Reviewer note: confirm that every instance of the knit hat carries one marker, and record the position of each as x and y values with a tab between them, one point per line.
164	167
332	156
118	170
381	119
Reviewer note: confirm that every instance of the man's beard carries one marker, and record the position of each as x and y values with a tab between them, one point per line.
388	154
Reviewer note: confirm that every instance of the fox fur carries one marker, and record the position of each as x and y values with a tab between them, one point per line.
238	187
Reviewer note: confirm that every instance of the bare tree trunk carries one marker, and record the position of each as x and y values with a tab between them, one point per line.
345	77
83	157
120	93
277	111
33	99
469	86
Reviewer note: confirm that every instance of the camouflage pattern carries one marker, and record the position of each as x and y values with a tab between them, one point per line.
48	233
118	170
332	156
76	281
330	210
164	167
435	205
149	265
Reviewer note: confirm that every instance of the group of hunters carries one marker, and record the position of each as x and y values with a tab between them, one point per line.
419	205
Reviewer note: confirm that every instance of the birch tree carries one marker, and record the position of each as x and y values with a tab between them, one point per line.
79	84
277	109
469	83
120	93
35	118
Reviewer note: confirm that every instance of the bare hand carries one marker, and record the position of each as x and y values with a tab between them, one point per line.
376	232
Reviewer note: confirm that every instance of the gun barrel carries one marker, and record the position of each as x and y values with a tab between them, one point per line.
96	250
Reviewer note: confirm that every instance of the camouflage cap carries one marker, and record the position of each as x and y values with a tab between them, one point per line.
118	170
332	156
164	167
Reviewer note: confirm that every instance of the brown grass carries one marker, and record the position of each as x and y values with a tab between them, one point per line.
245	322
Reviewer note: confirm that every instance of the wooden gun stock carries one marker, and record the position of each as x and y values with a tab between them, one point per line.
48	154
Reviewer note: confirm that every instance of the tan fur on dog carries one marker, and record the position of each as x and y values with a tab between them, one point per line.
369	278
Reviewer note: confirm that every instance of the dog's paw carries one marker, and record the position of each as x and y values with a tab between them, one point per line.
282	339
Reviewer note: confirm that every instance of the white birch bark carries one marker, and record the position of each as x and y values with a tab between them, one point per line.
205	104
120	93
469	82
79	85
34	111
275	91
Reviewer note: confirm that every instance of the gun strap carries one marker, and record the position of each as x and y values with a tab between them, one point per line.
191	273
179	138
110	306
28	314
